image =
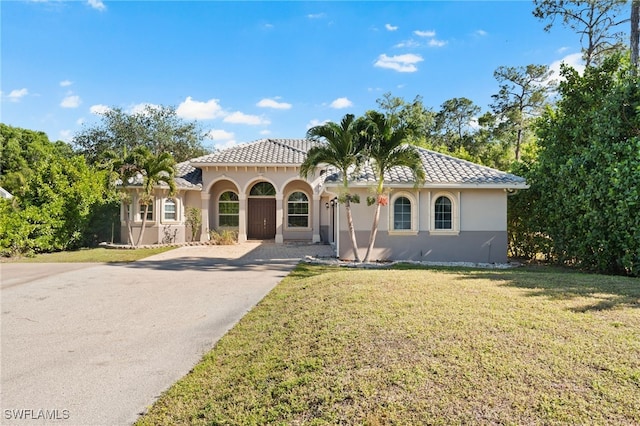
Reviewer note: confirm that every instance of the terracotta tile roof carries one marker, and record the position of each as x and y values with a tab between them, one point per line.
439	168
187	176
263	151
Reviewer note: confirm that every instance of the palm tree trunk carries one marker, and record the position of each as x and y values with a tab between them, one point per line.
128	222
352	231
144	223
374	232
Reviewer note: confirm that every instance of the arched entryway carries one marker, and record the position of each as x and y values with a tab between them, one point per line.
261	215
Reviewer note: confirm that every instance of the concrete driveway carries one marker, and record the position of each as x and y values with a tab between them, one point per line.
96	344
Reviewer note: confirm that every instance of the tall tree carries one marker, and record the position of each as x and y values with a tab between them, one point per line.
414	116
594	20
386	148
634	38
586	179
156	127
523	93
454	120
340	146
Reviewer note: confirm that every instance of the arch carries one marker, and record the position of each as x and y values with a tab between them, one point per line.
445	217
252	182
262	189
403	214
261	210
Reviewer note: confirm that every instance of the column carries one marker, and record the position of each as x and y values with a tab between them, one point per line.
279	219
316	218
204	228
242	218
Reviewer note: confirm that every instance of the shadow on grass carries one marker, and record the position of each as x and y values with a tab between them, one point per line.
606	292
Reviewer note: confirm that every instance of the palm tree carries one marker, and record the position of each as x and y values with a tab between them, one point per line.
341	147
123	169
154	170
387	148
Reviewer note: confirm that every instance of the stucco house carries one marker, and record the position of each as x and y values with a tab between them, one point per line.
255	189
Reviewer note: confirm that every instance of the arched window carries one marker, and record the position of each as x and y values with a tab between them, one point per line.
262	189
402	214
443	213
170	211
298	210
228	210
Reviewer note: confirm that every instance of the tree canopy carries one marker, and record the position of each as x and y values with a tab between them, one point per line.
156	127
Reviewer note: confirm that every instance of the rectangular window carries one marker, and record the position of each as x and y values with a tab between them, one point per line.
170	209
298	212
149	211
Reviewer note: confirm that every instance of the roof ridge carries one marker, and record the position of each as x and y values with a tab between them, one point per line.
281	142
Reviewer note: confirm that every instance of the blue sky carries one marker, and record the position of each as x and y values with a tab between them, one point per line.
249	70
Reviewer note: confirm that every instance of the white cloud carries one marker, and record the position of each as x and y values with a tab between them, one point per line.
265	132
390	27
425	33
562	49
66	83
341	103
142	108
315	122
71	101
407	43
80	121
242	118
273	103
573	60
436	43
224	145
316	15
99	109
17	94
97	4
481	33
219	135
65	135
400	63
197	110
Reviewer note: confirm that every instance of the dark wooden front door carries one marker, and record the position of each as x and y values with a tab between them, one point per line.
262	219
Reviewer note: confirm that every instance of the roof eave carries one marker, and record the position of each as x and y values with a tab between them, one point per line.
201	165
450	185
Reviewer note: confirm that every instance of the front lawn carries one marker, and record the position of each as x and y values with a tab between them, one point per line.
100	255
416	346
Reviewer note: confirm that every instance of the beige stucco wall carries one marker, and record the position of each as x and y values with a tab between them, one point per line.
286	180
158	229
479	234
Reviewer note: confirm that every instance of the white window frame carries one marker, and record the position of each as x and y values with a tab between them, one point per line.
414	214
164	209
151	211
455	214
228	214
308	215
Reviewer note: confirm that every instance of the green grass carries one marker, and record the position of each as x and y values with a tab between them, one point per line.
101	255
410	346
